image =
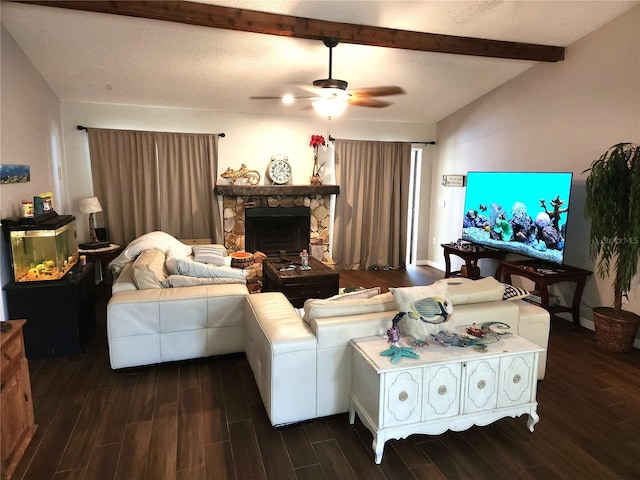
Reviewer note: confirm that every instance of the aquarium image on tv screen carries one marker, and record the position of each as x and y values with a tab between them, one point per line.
519	212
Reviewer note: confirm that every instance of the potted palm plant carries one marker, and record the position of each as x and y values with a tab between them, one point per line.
613	206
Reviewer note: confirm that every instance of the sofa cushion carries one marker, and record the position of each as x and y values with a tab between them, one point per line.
186	281
325	308
212	254
148	269
461	291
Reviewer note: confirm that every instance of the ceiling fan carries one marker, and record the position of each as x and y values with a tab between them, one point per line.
331	96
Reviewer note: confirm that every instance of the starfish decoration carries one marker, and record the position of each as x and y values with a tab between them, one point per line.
396	353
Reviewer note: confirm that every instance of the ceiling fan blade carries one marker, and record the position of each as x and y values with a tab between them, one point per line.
367	102
306	86
276	98
377	91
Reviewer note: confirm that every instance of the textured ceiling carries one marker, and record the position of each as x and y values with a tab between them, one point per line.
104	58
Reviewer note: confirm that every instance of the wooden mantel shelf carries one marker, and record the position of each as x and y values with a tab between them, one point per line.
264	190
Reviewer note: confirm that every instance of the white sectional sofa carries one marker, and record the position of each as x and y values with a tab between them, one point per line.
302	365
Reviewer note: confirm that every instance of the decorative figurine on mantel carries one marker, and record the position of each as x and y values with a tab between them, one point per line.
252	177
316	141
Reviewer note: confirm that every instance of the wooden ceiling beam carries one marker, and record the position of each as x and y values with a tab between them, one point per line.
214	16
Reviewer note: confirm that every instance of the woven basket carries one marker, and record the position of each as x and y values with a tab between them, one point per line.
615	334
241	259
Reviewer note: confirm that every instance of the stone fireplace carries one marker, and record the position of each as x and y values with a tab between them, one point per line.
274	218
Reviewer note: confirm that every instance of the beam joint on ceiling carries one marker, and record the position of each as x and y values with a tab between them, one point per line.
214	16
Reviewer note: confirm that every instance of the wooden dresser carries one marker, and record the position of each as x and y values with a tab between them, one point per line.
16	405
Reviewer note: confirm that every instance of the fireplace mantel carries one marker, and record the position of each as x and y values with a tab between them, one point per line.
269	190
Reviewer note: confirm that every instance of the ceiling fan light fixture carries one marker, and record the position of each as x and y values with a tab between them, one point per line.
330	106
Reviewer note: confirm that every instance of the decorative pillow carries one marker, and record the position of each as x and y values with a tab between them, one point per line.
364	293
184	281
463	291
190	268
514	293
425	308
148	269
211	254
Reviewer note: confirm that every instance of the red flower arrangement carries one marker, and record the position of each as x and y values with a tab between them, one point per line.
316	141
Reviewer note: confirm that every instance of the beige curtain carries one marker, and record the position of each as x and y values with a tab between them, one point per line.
125	180
370	227
149	181
187	163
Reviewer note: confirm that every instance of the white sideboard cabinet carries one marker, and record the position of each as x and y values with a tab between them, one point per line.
447	388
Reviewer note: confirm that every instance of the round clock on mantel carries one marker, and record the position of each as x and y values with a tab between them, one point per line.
279	170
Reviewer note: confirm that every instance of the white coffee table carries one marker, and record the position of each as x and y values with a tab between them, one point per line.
448	388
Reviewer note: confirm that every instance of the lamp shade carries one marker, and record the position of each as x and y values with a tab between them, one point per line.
330	106
89	205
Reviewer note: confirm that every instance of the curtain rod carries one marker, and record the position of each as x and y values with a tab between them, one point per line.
86	129
431	142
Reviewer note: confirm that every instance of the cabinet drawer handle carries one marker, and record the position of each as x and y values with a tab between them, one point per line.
442	390
403	396
482	384
517	378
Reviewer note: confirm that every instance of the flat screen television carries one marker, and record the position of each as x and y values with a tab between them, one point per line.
518	212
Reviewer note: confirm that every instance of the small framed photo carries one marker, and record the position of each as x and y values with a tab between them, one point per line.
15	174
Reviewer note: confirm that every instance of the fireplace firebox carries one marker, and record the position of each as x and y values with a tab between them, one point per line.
273	229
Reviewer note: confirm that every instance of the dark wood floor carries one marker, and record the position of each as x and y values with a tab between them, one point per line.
204	419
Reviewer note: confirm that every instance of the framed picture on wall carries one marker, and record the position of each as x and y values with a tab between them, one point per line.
15	174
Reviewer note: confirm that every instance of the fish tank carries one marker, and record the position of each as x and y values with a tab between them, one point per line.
42	249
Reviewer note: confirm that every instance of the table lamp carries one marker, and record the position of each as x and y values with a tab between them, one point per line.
91	206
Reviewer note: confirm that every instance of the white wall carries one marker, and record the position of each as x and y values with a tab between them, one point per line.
249	139
556	116
29	135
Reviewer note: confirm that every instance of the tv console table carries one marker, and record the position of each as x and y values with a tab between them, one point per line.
470	254
545	275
